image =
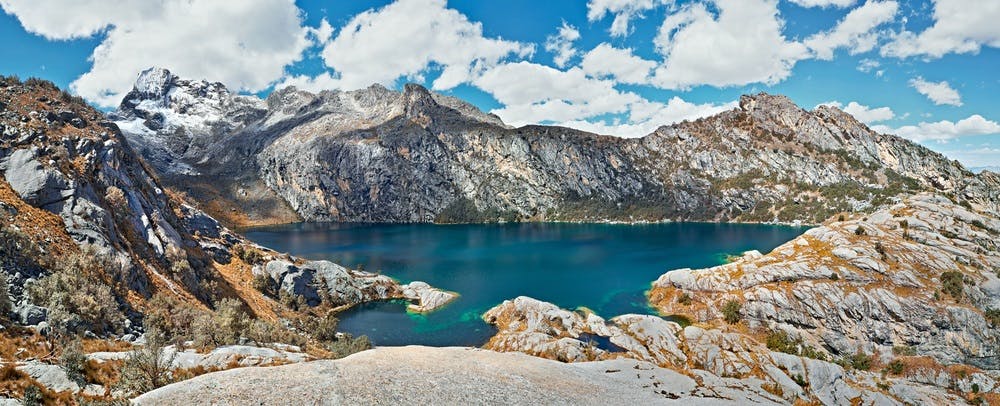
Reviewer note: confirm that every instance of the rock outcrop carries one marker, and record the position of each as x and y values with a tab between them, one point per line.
423	375
715	360
920	274
378	155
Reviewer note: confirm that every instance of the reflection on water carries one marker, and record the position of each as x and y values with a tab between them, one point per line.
604	267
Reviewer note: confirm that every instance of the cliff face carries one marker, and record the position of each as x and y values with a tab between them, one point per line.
416	156
71	183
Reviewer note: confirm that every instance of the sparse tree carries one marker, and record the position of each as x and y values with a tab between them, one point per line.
147	368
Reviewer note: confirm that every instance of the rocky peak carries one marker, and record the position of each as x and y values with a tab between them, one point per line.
417	100
153	83
768	102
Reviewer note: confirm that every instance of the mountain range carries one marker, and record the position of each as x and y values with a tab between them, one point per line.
377	155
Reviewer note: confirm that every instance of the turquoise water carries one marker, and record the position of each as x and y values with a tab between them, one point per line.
604	267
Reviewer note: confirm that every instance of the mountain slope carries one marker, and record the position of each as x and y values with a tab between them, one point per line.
72	189
416	156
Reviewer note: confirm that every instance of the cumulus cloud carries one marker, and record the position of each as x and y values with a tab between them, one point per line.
938	92
623	11
823	3
561	44
246	47
405	38
606	61
944	130
854	31
960	26
533	93
864	113
743	44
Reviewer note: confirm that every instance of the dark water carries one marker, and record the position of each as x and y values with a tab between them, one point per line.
604	267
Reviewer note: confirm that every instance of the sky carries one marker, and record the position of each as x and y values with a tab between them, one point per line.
926	70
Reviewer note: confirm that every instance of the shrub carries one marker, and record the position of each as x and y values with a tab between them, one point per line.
841	218
880	249
781	342
147	368
248	254
904	350
5	306
347	345
684	299
992	316
323	328
222	327
952	283
731	312
76	297
895	367
174	318
32	396
859	231
264	284
859	361
74	363
800	380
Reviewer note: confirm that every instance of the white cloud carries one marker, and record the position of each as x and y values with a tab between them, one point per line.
938	92
406	38
742	44
533	93
823	3
606	61
854	31
623	11
561	44
864	113
246	47
645	117
960	26
871	65
943	130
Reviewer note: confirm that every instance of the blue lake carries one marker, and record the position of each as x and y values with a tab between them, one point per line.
604	267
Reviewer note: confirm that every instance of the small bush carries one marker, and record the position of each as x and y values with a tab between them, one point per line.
992	316
800	380
174	318
880	249
249	254
323	328
32	396
224	326
952	283
147	368
859	361
841	218
781	342
684	299
76	297
731	312
895	367
74	363
5	305
860	231
347	345
904	350
264	284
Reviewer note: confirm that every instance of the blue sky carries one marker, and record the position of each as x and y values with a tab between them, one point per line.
925	70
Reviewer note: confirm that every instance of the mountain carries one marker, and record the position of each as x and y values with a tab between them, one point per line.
377	155
980	169
80	210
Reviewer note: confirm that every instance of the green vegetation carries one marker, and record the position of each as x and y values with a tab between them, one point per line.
895	367
859	361
248	254
147	368
74	363
952	283
684	299
992	316
76	296
904	350
781	342
860	231
463	210
347	345
731	312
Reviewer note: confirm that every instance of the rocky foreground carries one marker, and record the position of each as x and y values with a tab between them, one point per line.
423	375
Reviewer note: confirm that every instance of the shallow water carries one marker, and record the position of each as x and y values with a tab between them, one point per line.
604	267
